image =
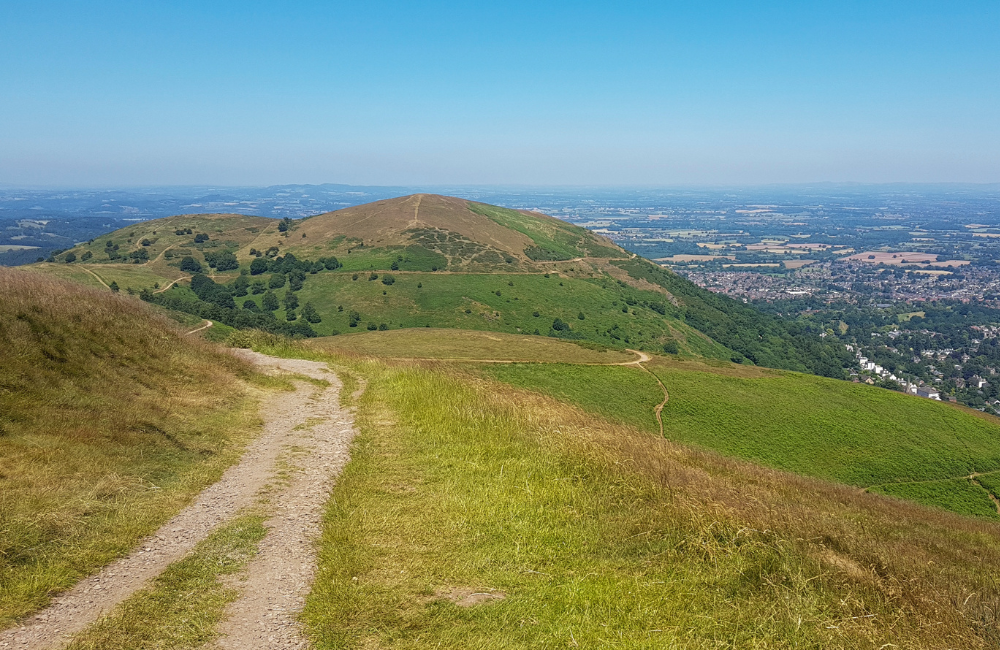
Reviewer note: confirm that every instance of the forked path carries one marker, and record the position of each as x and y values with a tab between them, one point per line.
307	435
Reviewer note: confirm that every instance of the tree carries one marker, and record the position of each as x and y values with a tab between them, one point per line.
331	263
580	316
284	224
388	279
113	286
354	318
240	285
291	301
310	314
200	237
270	301
394	266
296	279
70	258
373	276
382	327
250	305
258	266
190	264
289	314
146	242
257	287
559	326
140	255
86	256
671	347
277	281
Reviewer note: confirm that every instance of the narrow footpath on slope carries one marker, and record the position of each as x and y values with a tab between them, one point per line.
307	435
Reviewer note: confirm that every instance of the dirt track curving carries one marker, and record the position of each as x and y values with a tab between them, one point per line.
307	434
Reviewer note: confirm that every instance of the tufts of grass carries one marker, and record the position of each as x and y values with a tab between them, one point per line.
597	534
183	605
111	419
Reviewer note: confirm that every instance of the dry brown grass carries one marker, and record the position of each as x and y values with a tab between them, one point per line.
110	420
467	345
383	223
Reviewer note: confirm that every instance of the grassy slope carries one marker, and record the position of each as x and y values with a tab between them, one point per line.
110	421
442	299
467	344
852	433
598	535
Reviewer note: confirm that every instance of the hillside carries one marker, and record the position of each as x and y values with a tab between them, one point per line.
433	261
507	518
110	420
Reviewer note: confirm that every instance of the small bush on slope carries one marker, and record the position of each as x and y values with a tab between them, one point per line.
111	419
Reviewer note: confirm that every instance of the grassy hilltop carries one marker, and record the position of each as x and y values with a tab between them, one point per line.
433	261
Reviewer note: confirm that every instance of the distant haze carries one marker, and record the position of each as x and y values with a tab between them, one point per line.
432	93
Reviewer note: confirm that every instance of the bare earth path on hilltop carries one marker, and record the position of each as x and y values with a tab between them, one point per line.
306	436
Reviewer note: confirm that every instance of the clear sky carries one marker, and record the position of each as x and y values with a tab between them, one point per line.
573	93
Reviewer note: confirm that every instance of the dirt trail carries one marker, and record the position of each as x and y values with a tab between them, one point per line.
658	411
99	278
308	421
280	576
207	324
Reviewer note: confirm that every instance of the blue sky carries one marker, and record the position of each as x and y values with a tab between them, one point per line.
540	93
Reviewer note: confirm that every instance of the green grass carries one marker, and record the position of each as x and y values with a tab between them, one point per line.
990	482
183	605
957	495
111	419
554	240
598	535
623	394
442	300
830	429
850	433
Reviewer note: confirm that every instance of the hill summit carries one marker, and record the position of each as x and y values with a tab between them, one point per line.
464	233
433	261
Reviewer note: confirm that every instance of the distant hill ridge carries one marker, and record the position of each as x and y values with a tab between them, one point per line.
435	261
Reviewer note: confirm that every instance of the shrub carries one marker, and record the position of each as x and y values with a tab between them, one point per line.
382	327
372	327
388	279
354	318
146	242
70	258
580	316
310	314
373	276
559	326
258	266
113	286
394	266
270	301
200	237
86	256
671	347
190	264
139	255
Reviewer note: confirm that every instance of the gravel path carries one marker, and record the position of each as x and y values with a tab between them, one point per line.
305	428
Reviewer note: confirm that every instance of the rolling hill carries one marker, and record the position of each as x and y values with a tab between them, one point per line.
434	261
